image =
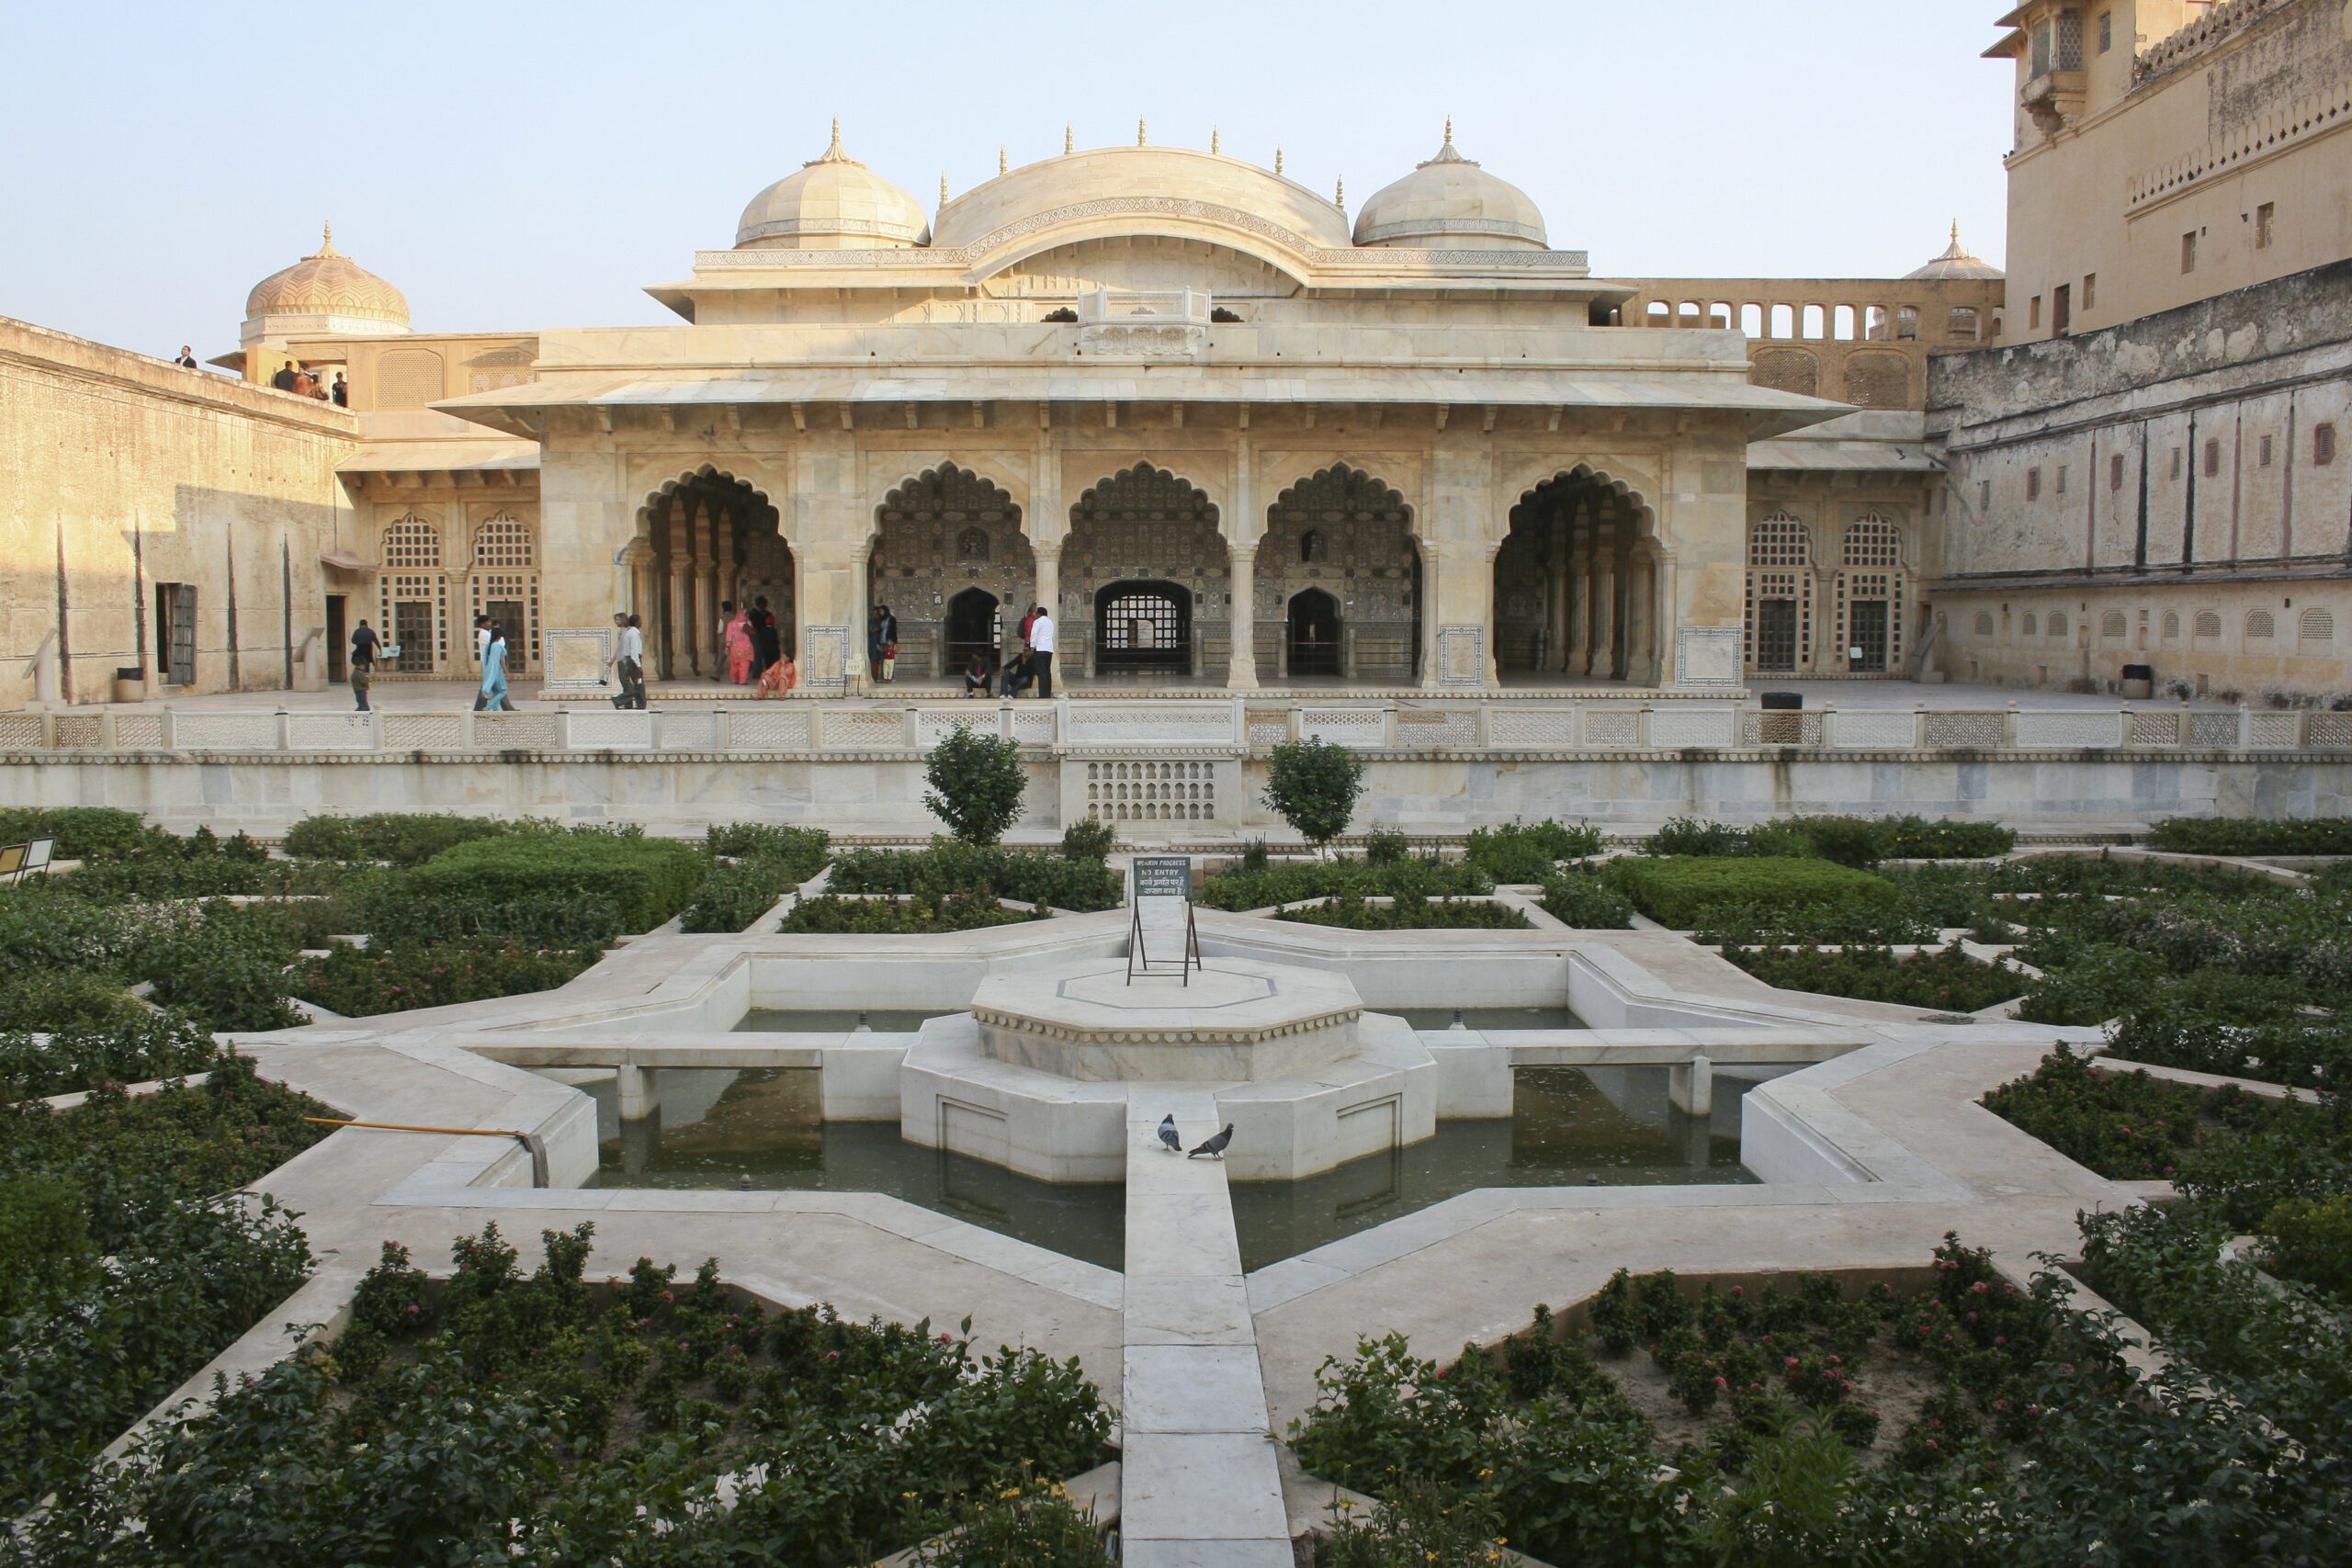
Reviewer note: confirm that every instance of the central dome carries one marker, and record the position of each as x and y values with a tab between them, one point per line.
1957	262
1450	203
834	203
327	283
1119	191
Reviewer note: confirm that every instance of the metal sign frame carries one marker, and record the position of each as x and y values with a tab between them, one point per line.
1165	871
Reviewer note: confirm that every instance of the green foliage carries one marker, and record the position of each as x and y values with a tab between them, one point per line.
1421	1527
395	977
799	851
191	1265
1858	841
2309	1241
1530	852
1088	838
1419	877
1946	981
2250	835
586	887
82	832
1385	846
2190	1031
2129	1125
133	1048
2086	984
1031	1524
1918	838
402	837
74	1000
517	1417
1255	856
914	914
1314	785
1412	912
990	871
976	782
1684	893
229	969
732	897
1582	901
44	1243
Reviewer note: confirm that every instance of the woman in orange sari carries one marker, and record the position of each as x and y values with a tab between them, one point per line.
776	679
739	649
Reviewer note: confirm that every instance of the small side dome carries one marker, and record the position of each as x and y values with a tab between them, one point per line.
326	284
1955	263
834	203
1449	202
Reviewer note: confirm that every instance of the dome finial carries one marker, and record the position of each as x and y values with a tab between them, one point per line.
1339	195
326	238
1069	139
1448	131
1278	160
834	152
1955	230
1139	130
1213	147
1001	164
943	187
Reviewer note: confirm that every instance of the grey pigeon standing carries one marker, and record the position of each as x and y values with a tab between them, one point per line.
1168	1134
1215	1147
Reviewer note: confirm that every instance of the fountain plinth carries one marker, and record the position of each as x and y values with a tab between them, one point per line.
1236	1022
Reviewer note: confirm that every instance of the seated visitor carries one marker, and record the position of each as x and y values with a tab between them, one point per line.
1017	677
777	678
976	676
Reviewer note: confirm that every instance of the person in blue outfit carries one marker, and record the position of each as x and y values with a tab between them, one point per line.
494	675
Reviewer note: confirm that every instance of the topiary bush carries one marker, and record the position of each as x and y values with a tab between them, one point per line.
2251	836
1412	913
2309	1240
71	1001
360	982
976	782
133	1049
228	969
1687	892
1089	838
1529	851
991	871
402	837
586	887
1314	785
82	832
915	915
1419	877
1944	981
1584	902
732	897
802	852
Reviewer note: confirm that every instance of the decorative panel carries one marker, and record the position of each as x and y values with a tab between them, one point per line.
1196	724
225	731
75	731
1268	730
514	731
617	731
862	729
2329	731
1874	730
2154	726
1706	656
330	732
574	658
1424	730
1956	730
1151	791
1515	726
1032	724
1780	727
2070	731
769	730
2273	731
20	731
139	732
1610	727
2213	731
423	731
826	667
693	730
1461	656
933	725
1682	725
1358	727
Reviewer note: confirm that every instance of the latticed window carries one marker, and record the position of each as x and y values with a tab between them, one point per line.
1985	624
2110	625
2318	626
504	540
2057	623
2208	624
415	595
2032	625
411	541
1780	593
1779	540
2172	626
2259	624
1869	594
1872	540
2070	40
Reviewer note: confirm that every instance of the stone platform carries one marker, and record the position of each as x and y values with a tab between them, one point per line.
1235	1020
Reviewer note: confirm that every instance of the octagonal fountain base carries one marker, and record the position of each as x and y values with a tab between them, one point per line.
1038	1078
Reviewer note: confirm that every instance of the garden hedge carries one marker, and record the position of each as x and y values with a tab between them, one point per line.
917	914
2248	836
585	885
1685	892
1032	876
1529	851
1410	913
403	837
82	832
1945	981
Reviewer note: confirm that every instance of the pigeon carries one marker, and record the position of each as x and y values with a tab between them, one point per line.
1215	1147
1168	1134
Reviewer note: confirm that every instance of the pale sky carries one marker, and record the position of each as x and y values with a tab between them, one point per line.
512	165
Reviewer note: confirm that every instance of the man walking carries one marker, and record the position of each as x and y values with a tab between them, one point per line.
1041	651
628	658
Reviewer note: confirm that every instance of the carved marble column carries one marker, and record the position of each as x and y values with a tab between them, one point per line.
644	586
1066	636
677	655
1579	659
1604	602
1425	617
706	660
1241	669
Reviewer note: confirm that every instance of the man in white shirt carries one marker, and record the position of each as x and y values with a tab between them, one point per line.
481	640
628	658
1041	651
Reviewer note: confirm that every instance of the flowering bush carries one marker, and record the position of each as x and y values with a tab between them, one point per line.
2131	1126
359	982
1412	913
917	915
1947	981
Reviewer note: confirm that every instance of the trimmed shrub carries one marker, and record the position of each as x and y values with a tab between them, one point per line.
71	1001
1089	838
2171	1033
1412	913
1916	837
1529	851
131	1050
2310	1240
1947	981
919	914
229	969
802	851
732	897
402	838
83	833
1385	846
990	871
1582	900
552	889
2249	836
1314	785
1686	892
396	977
976	782
2130	1126
1420	877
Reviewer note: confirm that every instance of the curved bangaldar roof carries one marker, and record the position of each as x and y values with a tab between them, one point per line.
832	203
1128	190
1449	201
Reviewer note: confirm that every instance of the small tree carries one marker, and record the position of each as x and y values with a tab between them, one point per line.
975	784
1314	786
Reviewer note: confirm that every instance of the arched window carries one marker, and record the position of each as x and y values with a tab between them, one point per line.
2207	624
2057	623
972	545
2259	624
1779	594
415	595
2110	625
1870	591
1960	325
504	585
2172	626
1310	545
2032	626
2318	626
1985	624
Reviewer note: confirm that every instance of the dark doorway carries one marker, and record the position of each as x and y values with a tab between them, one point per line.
412	635
1314	633
338	637
1776	635
1867	638
507	614
175	632
1144	626
975	625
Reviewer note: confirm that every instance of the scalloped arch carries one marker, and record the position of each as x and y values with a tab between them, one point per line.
661	493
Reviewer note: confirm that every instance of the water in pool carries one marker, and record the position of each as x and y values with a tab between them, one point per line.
838	1021
1572	1127
1486	1017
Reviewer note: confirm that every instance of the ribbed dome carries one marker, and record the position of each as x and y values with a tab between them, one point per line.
834	203
1450	202
327	284
1955	263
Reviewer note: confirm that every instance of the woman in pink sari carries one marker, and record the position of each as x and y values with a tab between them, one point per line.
739	649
